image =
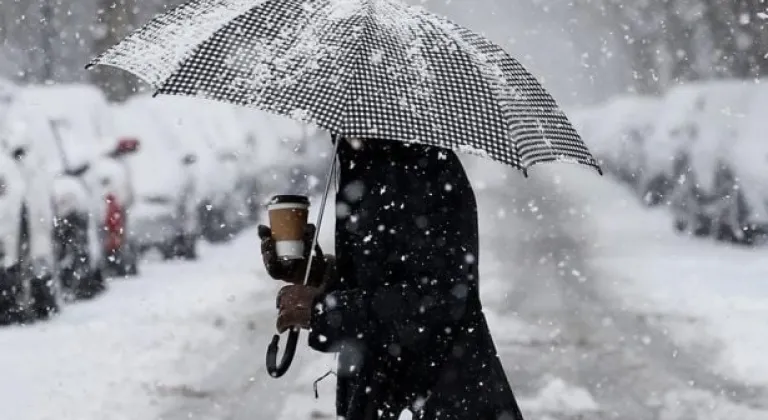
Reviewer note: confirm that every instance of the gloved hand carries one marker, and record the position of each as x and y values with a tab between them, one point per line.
295	305
292	271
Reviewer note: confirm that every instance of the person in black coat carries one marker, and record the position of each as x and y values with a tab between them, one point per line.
400	302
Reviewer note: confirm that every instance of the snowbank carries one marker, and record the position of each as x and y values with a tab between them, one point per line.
700	149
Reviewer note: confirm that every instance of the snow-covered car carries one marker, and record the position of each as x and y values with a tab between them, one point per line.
60	124
302	153
225	211
88	134
668	178
109	178
749	154
29	281
85	136
719	199
207	130
621	138
164	214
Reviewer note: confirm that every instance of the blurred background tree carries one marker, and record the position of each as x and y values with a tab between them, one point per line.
672	41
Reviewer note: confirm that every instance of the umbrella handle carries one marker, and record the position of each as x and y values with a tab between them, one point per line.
273	368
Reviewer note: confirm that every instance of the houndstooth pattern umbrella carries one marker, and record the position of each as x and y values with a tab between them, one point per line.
358	68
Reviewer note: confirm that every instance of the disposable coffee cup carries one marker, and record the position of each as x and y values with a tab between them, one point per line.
288	220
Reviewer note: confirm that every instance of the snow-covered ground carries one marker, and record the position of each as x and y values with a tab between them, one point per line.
596	308
710	296
125	354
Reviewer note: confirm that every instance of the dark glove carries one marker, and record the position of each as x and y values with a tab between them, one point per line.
295	305
292	271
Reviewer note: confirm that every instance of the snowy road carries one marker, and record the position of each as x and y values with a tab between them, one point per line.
570	350
187	341
626	363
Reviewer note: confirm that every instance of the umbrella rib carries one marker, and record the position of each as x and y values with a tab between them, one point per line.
195	49
166	49
460	43
556	150
358	54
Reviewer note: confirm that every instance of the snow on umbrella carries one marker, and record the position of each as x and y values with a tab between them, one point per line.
357	68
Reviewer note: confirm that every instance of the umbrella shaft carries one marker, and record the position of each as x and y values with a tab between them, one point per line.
329	179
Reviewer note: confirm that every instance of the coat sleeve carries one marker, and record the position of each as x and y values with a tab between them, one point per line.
421	287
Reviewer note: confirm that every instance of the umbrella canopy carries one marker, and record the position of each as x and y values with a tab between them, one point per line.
358	68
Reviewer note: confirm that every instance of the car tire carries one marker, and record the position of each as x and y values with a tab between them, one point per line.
190	248
215	228
181	247
131	269
656	191
756	235
127	264
18	306
93	285
46	297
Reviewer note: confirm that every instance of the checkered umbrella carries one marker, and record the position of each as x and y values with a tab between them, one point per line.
357	68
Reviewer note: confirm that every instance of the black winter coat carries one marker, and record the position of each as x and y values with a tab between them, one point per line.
405	315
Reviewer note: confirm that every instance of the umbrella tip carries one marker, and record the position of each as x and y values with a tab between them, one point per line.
525	172
88	66
154	95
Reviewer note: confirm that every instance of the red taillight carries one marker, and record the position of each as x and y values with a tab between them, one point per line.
114	224
128	145
125	146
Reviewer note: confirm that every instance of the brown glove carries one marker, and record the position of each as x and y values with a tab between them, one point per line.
294	301
293	271
295	304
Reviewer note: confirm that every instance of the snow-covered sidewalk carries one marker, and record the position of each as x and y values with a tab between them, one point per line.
144	342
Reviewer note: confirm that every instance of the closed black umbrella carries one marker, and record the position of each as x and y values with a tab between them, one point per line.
357	68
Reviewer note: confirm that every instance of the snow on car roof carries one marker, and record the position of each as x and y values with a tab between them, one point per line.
77	112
